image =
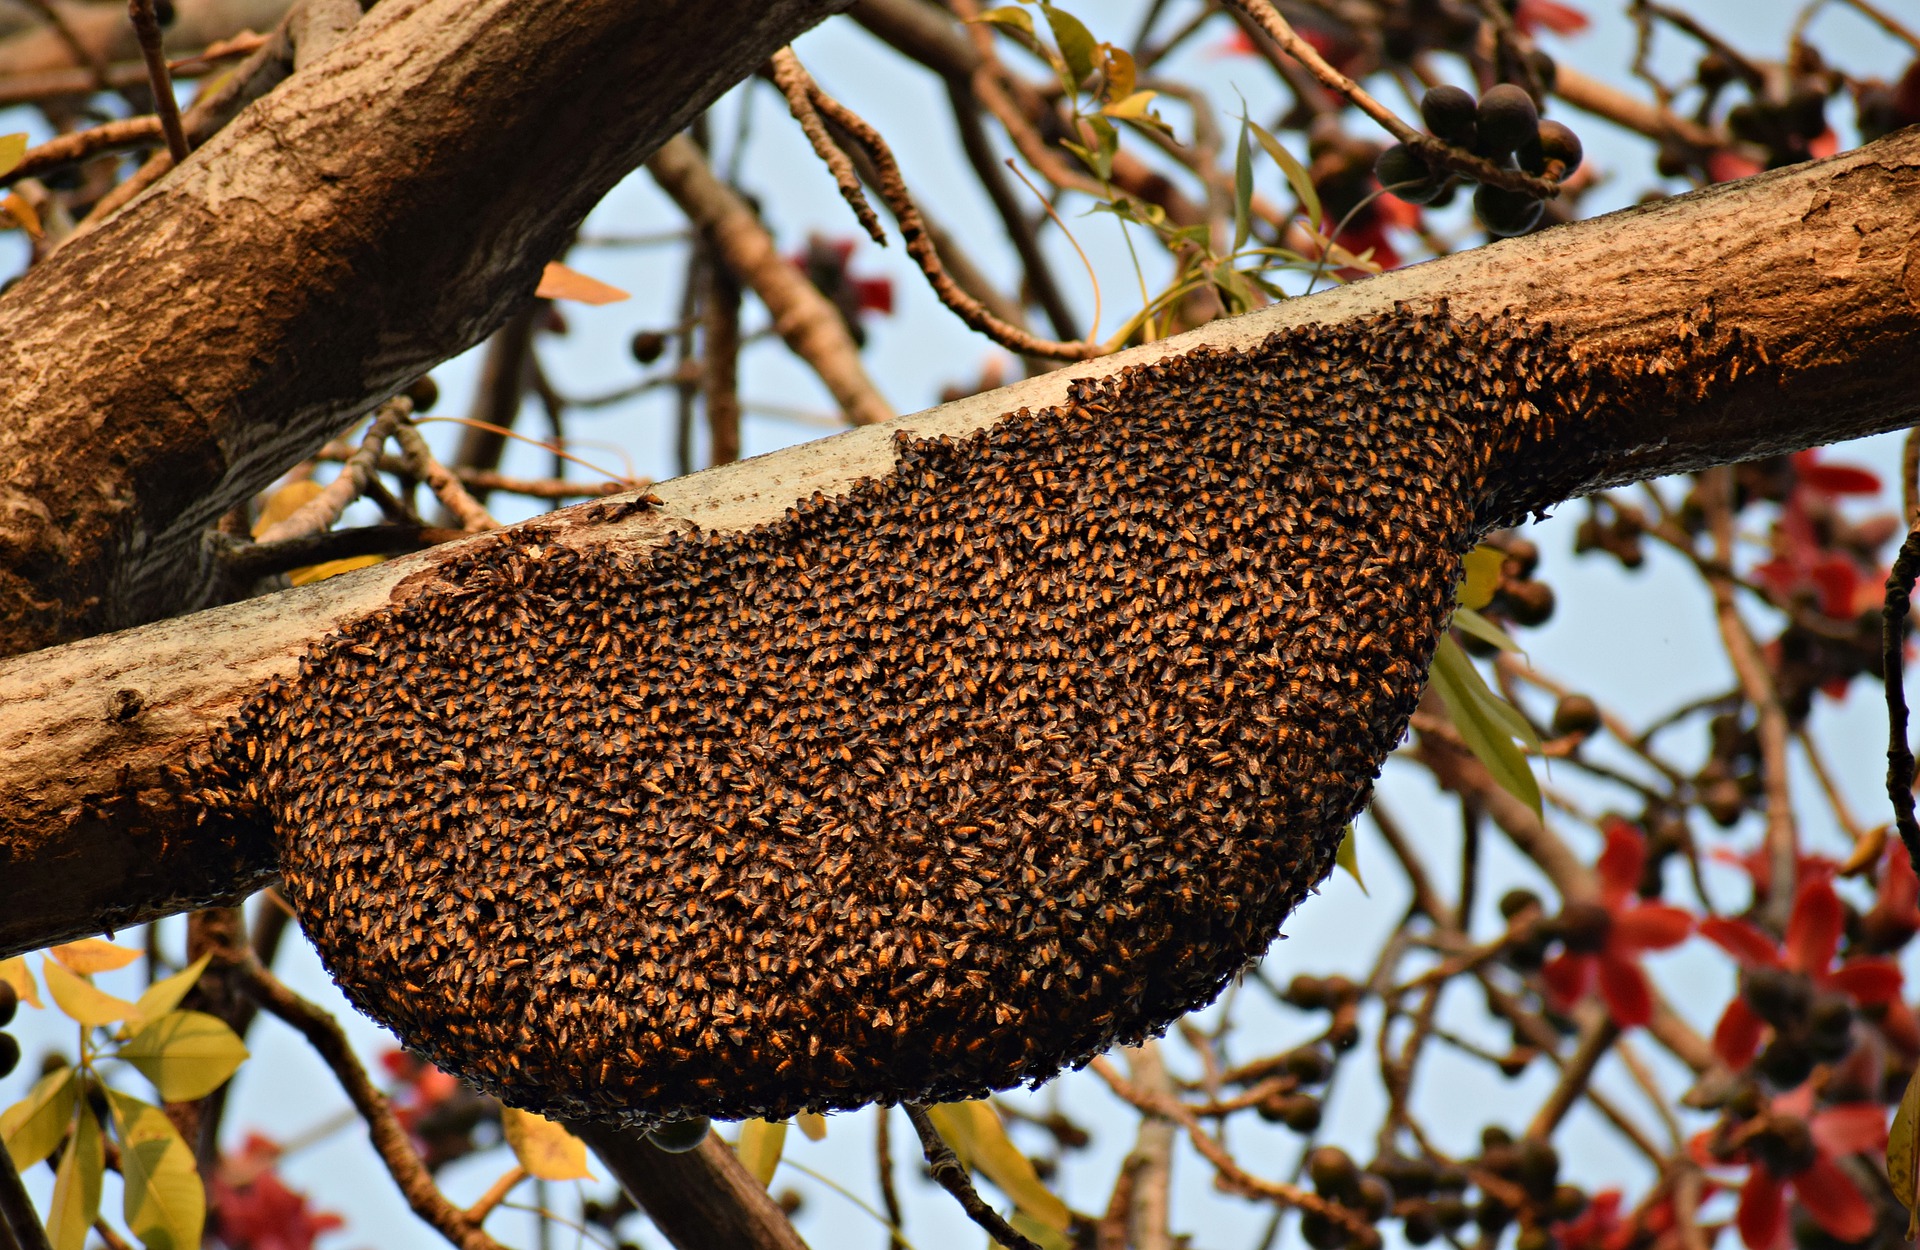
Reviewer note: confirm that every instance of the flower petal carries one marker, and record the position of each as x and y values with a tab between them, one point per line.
1762	1216
1813	931
1625	989
1651	927
1620	863
1743	941
1568	977
1736	1039
1831	1199
1867	980
1850	1128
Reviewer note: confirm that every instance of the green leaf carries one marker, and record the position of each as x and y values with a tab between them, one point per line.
12	149
977	1136
1242	188
761	1142
1076	42
1010	16
1470	622
165	1203
544	1148
76	1186
1480	576
165	995
1486	722
36	1124
1903	1160
186	1054
80	999
1297	176
1348	856
1039	1234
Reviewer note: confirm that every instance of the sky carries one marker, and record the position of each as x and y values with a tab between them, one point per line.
1644	641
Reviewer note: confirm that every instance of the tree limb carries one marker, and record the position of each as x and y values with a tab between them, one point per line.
1808	277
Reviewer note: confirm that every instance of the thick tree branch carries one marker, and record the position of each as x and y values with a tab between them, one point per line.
702	1199
1806	281
382	210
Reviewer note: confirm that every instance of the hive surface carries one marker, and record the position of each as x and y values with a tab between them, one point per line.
925	790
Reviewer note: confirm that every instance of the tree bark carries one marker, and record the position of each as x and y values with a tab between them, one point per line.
700	1199
384	209
1806	281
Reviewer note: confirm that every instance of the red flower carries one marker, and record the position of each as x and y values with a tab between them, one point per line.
829	264
1813	938
250	1208
1794	1149
1604	1226
1604	941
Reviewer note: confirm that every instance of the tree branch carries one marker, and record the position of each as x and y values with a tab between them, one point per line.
702	1199
1809	277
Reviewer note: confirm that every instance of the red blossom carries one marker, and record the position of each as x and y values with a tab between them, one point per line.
1794	1150
1813	939
828	263
250	1208
1605	954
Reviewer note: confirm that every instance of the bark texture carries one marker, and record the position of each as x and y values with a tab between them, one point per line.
1751	318
384	209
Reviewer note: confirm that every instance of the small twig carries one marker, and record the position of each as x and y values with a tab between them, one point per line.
251	560
390	1140
1906	567
319	513
893	190
146	27
83	145
952	1177
108	1238
496	1194
883	1164
18	1223
1228	1170
797	85
1595	1040
473	517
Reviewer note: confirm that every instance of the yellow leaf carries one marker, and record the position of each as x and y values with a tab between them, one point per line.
37	1123
1903	1160
332	568
76	1186
1480	575
813	1124
1006	15
186	1054
165	995
543	1148
761	1142
12	149
80	999
20	208
560	282
1133	107
165	1202
1121	71
1348	856
91	955
974	1131
15	973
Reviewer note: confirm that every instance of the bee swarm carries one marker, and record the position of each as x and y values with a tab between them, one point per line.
930	789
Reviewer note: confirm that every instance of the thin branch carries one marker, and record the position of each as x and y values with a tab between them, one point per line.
390	1140
319	513
76	46
1575	1078
495	1195
146	27
883	1165
19	1224
797	86
446	487
952	1176
253	560
893	189
83	145
1893	621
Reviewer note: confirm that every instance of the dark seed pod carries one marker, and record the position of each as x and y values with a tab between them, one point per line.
1450	113
1576	714
1559	145
677	1137
425	393
9	1003
647	345
1403	174
1332	1172
1506	213
9	1054
1507	117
